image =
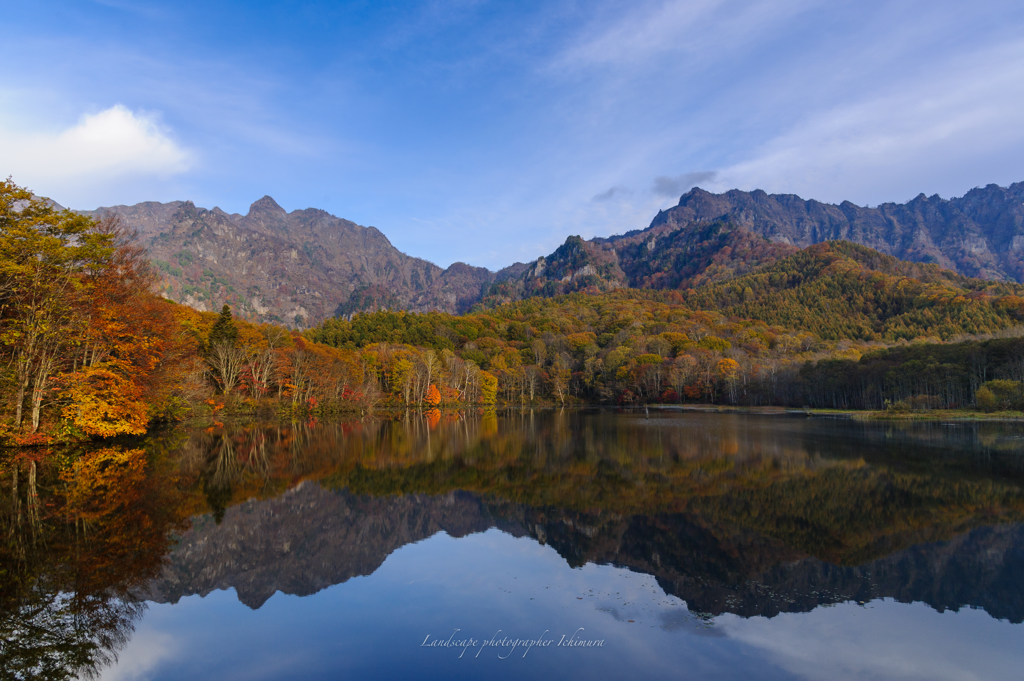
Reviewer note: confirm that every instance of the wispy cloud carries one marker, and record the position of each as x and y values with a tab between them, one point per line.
653	30
612	192
907	641
675	186
906	140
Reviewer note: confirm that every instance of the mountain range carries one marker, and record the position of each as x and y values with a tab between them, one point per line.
303	266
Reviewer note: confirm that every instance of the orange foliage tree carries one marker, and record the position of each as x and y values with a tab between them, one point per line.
433	417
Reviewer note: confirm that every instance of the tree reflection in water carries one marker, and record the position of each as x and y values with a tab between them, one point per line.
79	540
708	504
754	516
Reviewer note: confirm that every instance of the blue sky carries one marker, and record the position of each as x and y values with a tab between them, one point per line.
487	132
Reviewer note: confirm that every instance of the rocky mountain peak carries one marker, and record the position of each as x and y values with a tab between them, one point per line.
978	235
695	194
266	207
292	268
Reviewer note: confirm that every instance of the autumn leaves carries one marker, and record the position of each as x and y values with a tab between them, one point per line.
79	328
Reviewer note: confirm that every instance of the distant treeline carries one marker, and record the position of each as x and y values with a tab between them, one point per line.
634	346
987	374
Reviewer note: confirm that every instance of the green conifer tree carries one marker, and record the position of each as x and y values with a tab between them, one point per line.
224	330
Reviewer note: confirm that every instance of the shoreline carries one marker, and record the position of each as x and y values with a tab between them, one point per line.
206	421
852	414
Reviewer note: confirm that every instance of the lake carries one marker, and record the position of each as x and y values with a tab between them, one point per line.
547	544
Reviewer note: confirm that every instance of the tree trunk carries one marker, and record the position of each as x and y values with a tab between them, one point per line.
33	499
15	499
39	387
19	404
38	390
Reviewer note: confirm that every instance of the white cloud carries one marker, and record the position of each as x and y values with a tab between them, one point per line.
112	144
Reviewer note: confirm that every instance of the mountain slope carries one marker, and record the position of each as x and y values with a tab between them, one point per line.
295	268
709	238
701	254
844	290
684	258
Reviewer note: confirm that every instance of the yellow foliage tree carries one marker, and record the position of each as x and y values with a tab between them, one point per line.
488	387
103	403
104	483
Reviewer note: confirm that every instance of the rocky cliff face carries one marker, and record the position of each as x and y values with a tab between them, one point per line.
294	268
300	267
709	238
311	538
978	235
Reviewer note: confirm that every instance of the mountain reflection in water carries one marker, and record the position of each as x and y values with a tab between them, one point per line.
748	515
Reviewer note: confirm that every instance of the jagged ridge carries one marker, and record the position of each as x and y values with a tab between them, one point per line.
293	268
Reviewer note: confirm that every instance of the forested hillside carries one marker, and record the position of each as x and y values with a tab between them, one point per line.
843	290
646	346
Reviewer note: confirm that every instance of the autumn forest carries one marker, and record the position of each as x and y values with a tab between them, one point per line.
90	350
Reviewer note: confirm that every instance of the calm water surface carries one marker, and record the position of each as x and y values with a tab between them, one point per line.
591	544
